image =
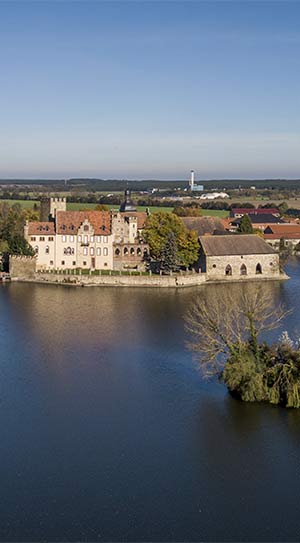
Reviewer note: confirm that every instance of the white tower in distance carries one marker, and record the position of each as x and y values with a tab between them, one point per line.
192	180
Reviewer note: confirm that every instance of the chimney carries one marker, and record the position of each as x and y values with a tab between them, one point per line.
192	180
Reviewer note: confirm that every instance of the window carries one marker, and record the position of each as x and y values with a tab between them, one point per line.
64	239
71	238
51	262
98	251
63	227
72	227
243	270
117	252
92	251
125	252
92	239
104	239
132	251
258	270
138	251
42	239
62	262
98	239
79	239
84	263
85	251
74	263
47	250
36	250
85	239
228	270
33	238
50	238
105	251
69	251
86	228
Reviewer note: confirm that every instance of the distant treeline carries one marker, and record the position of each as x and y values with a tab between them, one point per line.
147	184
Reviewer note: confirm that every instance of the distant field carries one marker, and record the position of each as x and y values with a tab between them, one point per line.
28	204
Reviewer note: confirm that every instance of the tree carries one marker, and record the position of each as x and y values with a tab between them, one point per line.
171	244
12	221
283	207
101	207
245	226
225	334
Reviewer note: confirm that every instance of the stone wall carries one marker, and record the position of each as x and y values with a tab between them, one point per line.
175	280
22	267
268	263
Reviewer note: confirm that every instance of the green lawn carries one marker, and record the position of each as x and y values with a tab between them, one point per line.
28	204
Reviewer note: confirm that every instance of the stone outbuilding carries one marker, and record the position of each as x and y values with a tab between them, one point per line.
238	257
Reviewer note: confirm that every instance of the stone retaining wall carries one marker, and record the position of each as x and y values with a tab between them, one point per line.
145	281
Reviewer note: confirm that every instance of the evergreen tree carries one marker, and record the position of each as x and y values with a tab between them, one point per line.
245	226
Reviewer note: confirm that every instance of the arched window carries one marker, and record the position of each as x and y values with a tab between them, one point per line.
258	269
68	251
228	270
47	250
138	251
243	270
117	252
132	251
125	251
36	250
86	228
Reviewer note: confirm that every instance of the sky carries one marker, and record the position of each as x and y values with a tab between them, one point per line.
149	89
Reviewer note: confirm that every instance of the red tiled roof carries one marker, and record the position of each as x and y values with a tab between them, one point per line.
68	222
284	228
36	228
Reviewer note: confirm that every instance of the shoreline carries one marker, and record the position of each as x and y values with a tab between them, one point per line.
174	281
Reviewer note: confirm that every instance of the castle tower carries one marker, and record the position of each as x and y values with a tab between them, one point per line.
50	205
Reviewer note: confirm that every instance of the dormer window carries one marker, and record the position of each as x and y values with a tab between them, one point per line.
86	228
63	227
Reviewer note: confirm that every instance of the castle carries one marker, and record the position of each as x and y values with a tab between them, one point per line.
92	240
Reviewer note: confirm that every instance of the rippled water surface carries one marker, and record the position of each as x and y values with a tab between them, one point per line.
109	432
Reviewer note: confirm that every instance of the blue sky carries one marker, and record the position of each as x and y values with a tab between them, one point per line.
150	89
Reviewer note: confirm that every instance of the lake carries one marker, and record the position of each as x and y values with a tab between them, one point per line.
109	432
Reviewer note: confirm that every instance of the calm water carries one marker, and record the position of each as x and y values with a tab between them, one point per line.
108	431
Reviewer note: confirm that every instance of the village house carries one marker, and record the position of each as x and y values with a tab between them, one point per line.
238	257
95	240
259	221
287	233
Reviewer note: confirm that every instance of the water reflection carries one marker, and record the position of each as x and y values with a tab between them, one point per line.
109	432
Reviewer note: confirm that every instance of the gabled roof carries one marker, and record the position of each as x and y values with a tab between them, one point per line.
36	228
203	225
68	222
283	228
249	244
